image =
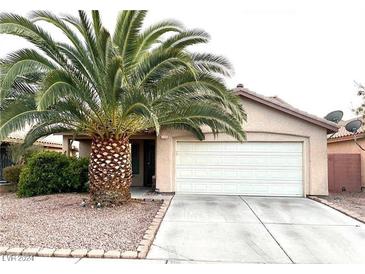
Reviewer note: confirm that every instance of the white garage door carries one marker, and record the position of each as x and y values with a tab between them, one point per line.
252	168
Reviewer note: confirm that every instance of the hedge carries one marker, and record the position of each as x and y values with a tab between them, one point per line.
50	172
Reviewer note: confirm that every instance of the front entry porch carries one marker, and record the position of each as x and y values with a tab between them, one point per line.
143	149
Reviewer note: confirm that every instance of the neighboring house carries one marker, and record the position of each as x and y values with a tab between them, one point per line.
285	154
5	159
350	158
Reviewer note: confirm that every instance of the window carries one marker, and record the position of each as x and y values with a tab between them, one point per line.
135	159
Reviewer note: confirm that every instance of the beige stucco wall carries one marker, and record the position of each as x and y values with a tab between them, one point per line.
66	144
350	147
264	124
84	148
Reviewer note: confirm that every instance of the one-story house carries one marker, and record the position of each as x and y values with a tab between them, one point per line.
342	143
285	154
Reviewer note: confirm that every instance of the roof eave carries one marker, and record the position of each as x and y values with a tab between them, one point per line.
39	143
331	127
346	138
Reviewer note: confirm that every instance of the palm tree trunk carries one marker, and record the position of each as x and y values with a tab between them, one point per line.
110	171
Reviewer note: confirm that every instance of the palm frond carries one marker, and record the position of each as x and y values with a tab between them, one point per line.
148	37
44	130
21	63
185	39
116	85
23	119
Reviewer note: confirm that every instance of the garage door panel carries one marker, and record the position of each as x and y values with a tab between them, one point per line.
272	169
238	174
237	160
254	188
238	182
208	187
270	189
238	147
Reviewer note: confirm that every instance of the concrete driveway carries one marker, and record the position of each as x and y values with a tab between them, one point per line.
243	229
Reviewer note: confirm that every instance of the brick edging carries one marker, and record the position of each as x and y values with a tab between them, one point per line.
149	236
141	253
339	208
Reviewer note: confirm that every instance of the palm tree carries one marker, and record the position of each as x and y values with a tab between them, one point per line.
111	87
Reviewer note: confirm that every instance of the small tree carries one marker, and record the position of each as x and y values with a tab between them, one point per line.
360	110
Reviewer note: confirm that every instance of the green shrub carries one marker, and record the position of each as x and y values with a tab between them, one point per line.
51	172
81	167
29	152
12	173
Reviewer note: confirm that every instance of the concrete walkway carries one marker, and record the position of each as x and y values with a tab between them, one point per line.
244	229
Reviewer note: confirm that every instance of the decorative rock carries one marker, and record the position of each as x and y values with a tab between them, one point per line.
14	251
63	252
79	253
3	249
129	255
96	253
113	254
32	251
46	252
339	208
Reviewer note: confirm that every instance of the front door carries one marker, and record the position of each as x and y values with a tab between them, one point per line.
149	162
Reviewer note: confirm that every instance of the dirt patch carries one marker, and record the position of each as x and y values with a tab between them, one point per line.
354	202
59	221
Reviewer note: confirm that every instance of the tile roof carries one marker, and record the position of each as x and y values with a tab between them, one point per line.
19	136
39	142
278	103
342	132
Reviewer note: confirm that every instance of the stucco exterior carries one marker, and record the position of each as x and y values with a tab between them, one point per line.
264	124
347	147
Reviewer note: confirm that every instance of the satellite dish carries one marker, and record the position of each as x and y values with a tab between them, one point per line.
334	116
353	126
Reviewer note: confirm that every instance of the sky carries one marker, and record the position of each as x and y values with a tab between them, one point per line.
309	53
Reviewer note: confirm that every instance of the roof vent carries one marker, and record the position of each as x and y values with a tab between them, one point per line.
240	85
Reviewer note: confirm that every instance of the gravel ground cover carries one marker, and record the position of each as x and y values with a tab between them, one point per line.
59	221
351	201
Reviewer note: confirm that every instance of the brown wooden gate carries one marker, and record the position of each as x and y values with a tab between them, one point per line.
344	172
